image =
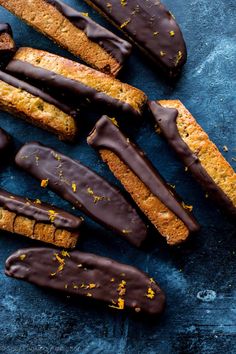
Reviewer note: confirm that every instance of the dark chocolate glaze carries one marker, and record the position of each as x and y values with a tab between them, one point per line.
13	81
107	136
166	120
5	28
73	87
151	26
114	45
38	211
91	193
5	144
88	275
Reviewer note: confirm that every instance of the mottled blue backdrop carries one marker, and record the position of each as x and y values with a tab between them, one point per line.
199	277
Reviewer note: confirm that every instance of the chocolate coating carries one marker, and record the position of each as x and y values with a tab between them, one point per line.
5	28
85	189
13	81
117	47
107	136
166	120
5	144
150	26
38	211
88	275
64	85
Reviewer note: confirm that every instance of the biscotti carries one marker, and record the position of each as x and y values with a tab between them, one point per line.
78	80
151	27
74	31
7	44
38	220
198	153
83	188
37	107
142	181
81	274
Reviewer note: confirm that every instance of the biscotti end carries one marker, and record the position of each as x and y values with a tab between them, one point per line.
199	154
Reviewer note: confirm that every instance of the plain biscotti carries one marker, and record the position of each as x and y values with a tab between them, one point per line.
69	77
74	31
38	220
198	153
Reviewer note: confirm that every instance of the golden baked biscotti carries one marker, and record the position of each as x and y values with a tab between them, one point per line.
198	153
36	107
74	31
77	80
38	220
145	185
7	44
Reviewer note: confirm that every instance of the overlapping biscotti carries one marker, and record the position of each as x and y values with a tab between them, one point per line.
74	31
139	177
7	44
38	220
151	27
37	107
83	188
78	80
81	274
198	153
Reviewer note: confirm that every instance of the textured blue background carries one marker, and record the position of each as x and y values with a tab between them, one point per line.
33	320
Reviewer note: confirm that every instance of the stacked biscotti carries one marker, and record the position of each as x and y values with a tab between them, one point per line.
7	44
198	153
139	177
37	220
37	107
74	31
78	80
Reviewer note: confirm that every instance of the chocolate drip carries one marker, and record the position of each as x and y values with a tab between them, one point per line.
151	26
39	211
73	87
166	120
85	189
13	81
107	136
87	275
5	28
117	47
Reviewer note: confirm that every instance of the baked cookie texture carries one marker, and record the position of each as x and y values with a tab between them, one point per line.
38	220
7	44
36	107
84	188
149	25
199	154
80	274
74	31
79	80
143	182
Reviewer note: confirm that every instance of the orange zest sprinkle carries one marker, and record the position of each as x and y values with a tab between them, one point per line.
22	257
44	183
150	293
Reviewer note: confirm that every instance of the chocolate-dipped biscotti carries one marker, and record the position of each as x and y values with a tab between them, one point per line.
139	177
198	153
74	31
81	274
5	145
38	220
66	76
7	44
85	189
151	27
37	107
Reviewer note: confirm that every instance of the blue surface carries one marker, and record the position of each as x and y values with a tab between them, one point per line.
196	321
